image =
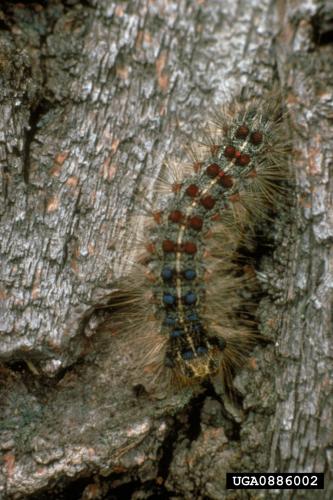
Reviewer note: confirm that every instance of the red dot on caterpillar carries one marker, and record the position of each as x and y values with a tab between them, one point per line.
256	138
212	170
253	173
176	216
195	222
225	180
208	202
242	132
192	190
243	160
229	152
189	247
168	246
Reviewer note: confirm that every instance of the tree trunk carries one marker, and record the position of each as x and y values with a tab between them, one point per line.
95	96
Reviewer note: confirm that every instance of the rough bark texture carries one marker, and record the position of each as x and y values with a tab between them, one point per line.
94	96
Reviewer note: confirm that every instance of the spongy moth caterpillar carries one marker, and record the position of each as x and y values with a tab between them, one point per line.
183	304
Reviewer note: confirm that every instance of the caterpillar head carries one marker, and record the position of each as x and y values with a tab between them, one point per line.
199	367
196	364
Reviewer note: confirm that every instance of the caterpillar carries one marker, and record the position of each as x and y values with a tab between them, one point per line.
187	305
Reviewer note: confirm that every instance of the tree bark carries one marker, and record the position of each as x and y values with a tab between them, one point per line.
95	96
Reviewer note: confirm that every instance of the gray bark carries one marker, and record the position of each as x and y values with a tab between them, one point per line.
94	96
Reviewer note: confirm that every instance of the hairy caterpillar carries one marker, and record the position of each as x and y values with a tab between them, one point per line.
183	304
